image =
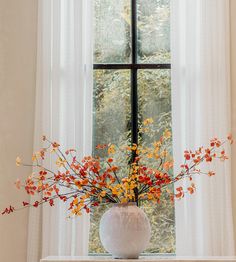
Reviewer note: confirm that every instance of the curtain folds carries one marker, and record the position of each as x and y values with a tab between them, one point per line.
63	114
200	106
201	111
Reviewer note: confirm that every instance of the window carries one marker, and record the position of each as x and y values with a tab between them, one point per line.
132	83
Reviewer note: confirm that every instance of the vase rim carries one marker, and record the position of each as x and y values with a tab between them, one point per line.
125	204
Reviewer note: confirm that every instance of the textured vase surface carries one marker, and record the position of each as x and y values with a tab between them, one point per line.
125	231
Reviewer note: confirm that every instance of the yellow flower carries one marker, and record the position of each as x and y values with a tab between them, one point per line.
157	144
103	193
77	211
116	190
126	186
164	153
167	134
156	156
144	151
148	121
130	196
87	195
132	185
124	200
34	157
60	162
18	161
144	130
150	155
111	149
76	201
142	196
40	184
133	176
150	197
156	150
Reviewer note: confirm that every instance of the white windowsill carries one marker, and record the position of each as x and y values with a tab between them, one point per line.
142	258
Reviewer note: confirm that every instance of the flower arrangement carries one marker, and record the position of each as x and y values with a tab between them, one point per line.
95	180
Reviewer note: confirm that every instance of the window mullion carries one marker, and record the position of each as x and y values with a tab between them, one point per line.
134	88
131	66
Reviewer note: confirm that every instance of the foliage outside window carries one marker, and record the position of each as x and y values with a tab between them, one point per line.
112	94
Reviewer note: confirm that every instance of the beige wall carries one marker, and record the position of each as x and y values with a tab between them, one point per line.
233	95
18	21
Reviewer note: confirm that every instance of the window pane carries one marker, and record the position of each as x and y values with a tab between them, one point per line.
111	125
154	89
111	106
112	31
153	31
95	245
155	102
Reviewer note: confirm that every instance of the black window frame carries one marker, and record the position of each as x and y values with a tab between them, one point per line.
134	66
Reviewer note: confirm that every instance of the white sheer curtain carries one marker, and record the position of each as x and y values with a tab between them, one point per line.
63	113
201	110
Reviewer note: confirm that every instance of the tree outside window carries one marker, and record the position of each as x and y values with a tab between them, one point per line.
132	83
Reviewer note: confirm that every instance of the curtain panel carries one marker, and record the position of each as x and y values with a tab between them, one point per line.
200	106
201	111
63	114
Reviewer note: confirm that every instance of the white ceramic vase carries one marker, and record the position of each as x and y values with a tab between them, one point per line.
125	231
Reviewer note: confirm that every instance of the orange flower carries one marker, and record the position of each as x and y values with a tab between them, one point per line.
192	188
18	183
208	158
210	173
100	146
197	160
93	180
55	145
114	168
223	156
84	182
167	165
230	138
180	193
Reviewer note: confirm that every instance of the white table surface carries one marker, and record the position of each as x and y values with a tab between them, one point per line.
142	259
